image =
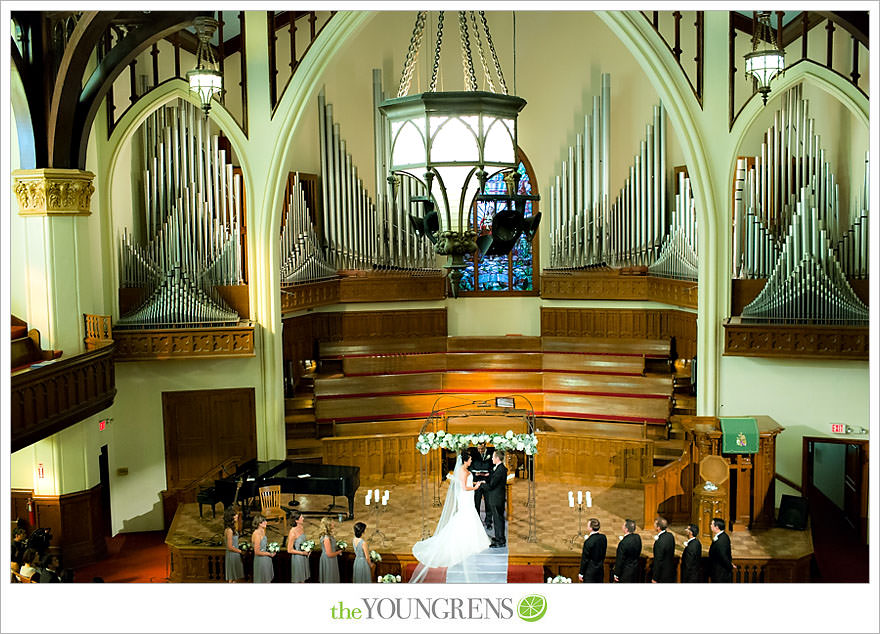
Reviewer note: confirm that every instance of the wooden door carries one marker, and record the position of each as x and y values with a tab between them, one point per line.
205	427
855	484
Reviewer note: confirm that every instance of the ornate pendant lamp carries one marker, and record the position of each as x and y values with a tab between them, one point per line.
452	142
205	80
766	60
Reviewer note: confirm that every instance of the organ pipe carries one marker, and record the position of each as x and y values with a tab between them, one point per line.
192	209
787	223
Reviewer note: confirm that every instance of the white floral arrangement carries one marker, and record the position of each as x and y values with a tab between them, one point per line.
374	556
308	545
456	442
273	547
389	578
558	579
244	544
342	544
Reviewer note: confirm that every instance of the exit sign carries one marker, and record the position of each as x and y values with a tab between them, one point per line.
838	428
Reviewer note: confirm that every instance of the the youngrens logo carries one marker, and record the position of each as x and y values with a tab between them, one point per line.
530	608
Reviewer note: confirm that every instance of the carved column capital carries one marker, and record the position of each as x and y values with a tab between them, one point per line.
53	192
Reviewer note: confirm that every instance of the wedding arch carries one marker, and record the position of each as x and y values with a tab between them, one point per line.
491	421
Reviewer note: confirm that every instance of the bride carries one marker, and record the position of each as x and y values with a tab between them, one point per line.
459	532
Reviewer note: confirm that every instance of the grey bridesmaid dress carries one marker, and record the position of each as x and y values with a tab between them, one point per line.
328	572
264	572
234	566
362	572
299	564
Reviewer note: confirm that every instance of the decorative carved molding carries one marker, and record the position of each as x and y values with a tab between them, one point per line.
45	400
624	323
53	192
795	341
302	296
184	343
611	285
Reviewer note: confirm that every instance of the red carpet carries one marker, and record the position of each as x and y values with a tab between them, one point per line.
131	558
515	574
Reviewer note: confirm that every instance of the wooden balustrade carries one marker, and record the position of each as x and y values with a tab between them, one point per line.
47	399
603	461
694	77
666	482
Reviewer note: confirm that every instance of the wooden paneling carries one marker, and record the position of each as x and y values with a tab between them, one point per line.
45	400
184	343
605	461
384	287
400	324
494	344
372	346
391	458
205	427
610	285
611	323
301	296
795	341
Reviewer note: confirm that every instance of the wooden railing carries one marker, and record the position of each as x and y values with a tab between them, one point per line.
695	76
665	483
47	399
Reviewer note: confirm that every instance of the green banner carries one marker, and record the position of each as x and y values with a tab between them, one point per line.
739	435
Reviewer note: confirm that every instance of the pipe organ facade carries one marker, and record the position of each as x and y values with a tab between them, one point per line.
302	259
192	217
787	226
587	229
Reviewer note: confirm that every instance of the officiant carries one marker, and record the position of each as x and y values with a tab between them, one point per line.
481	466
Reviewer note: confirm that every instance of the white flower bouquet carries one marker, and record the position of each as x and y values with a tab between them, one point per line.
308	545
273	547
342	544
389	578
527	443
374	556
244	544
558	579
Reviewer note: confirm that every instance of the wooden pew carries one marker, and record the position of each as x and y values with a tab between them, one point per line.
637	410
394	364
493	344
369	347
428	383
598	364
652	348
607	384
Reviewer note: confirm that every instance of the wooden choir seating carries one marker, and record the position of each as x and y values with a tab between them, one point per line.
576	379
25	349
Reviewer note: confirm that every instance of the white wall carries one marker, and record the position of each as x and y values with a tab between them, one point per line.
805	397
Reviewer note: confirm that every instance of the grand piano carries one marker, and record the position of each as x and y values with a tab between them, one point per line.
294	477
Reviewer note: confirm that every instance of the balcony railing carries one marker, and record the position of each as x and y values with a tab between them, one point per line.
59	393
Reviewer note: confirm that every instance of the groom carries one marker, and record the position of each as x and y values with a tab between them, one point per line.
495	491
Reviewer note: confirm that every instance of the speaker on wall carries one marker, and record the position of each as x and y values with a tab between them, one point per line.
792	512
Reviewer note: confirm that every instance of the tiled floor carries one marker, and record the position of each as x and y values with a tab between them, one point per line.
401	523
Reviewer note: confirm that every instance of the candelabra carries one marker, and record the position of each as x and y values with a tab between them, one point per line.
380	506
584	499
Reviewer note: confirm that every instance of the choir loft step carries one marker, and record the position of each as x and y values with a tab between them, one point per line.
304	450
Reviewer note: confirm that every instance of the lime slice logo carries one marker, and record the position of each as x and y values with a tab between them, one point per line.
532	608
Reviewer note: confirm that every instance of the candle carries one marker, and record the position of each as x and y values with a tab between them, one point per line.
571	502
570	495
385	501
367	501
580	497
369	494
376	493
387	493
589	499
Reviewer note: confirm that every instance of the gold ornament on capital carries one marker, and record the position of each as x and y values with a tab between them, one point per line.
53	192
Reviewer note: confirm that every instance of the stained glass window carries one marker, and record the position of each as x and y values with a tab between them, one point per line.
513	273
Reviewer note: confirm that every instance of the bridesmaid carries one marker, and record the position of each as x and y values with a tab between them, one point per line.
363	567
328	572
234	566
263	570
299	559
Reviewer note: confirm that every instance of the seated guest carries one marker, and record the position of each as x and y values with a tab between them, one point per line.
19	545
16	570
51	570
29	566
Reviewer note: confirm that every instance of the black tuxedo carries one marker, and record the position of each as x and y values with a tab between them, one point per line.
691	562
482	462
626	562
721	559
664	558
496	494
593	558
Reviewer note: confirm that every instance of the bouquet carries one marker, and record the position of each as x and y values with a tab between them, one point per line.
245	545
308	545
342	544
389	578
558	579
374	556
273	547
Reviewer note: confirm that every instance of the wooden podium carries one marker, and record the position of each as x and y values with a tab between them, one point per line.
709	503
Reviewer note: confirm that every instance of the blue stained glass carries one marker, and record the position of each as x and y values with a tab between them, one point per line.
494	273
467	279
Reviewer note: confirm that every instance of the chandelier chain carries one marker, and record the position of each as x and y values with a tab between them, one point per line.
483	63
415	44
494	54
470	77
436	67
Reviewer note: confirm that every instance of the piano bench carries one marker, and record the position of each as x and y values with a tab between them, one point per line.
207	495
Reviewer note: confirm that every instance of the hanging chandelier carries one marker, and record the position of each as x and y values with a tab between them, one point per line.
766	60
205	80
453	142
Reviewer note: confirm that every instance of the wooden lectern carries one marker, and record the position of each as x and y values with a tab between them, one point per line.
711	503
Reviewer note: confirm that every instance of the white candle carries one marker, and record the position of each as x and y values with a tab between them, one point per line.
369	494
589	499
387	493
385	501
376	493
367	501
580	497
571	502
570	495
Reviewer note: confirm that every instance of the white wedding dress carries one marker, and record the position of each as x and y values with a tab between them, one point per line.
459	532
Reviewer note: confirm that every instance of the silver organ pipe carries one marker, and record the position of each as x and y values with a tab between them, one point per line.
190	240
788	201
359	234
677	257
302	259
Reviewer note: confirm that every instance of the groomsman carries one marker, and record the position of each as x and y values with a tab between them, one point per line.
629	550
593	554
496	495
720	557
691	557
481	465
